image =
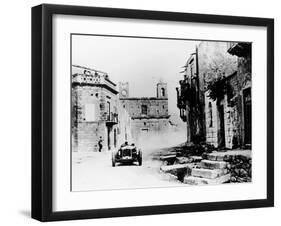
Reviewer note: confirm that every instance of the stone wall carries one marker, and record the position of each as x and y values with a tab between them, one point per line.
143	125
211	115
90	110
233	108
147	128
156	107
239	83
231	122
214	62
85	136
195	102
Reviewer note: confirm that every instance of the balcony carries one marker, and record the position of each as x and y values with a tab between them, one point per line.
183	114
240	49
183	93
182	98
111	119
180	102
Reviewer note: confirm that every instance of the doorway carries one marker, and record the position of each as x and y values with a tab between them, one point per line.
221	141
247	101
108	111
108	137
115	138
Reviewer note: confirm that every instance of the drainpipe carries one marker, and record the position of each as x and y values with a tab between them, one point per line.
188	132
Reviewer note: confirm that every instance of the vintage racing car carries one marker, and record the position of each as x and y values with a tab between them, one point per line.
127	154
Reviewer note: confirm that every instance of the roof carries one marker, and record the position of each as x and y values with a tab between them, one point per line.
142	98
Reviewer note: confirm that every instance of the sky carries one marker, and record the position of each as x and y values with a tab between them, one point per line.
140	61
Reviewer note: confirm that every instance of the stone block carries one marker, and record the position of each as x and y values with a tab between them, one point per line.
211	157
196	158
208	164
191	180
219	158
208	173
183	160
171	168
168	157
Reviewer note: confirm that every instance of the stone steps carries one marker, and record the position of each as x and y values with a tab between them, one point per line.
192	180
209	164
212	170
208	173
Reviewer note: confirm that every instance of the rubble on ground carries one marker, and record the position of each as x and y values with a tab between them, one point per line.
203	164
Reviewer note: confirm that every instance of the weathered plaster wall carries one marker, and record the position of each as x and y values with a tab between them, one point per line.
89	115
233	108
155	107
211	115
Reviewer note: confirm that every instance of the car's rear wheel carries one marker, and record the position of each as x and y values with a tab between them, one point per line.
140	158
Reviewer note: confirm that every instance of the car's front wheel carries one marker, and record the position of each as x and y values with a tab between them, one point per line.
113	159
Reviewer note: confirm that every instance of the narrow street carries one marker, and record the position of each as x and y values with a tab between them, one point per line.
93	171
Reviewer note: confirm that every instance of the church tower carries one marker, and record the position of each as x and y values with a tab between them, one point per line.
161	90
123	89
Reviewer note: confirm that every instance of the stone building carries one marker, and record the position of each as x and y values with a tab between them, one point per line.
240	100
216	67
190	100
95	111
149	115
218	79
228	112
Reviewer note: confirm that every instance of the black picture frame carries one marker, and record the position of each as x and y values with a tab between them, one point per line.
42	111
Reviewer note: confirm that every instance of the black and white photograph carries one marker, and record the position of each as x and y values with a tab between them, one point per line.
147	112
152	112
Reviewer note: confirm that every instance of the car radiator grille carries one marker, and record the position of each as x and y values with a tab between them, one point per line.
126	152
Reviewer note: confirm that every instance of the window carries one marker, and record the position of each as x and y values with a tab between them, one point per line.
162	92
191	70
108	109
211	115
90	114
144	109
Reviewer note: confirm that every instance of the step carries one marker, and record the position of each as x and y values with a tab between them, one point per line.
209	164
191	180
208	173
168	157
176	167
214	157
183	160
191	159
196	158
227	155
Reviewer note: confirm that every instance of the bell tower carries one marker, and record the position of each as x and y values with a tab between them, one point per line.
161	90
123	89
